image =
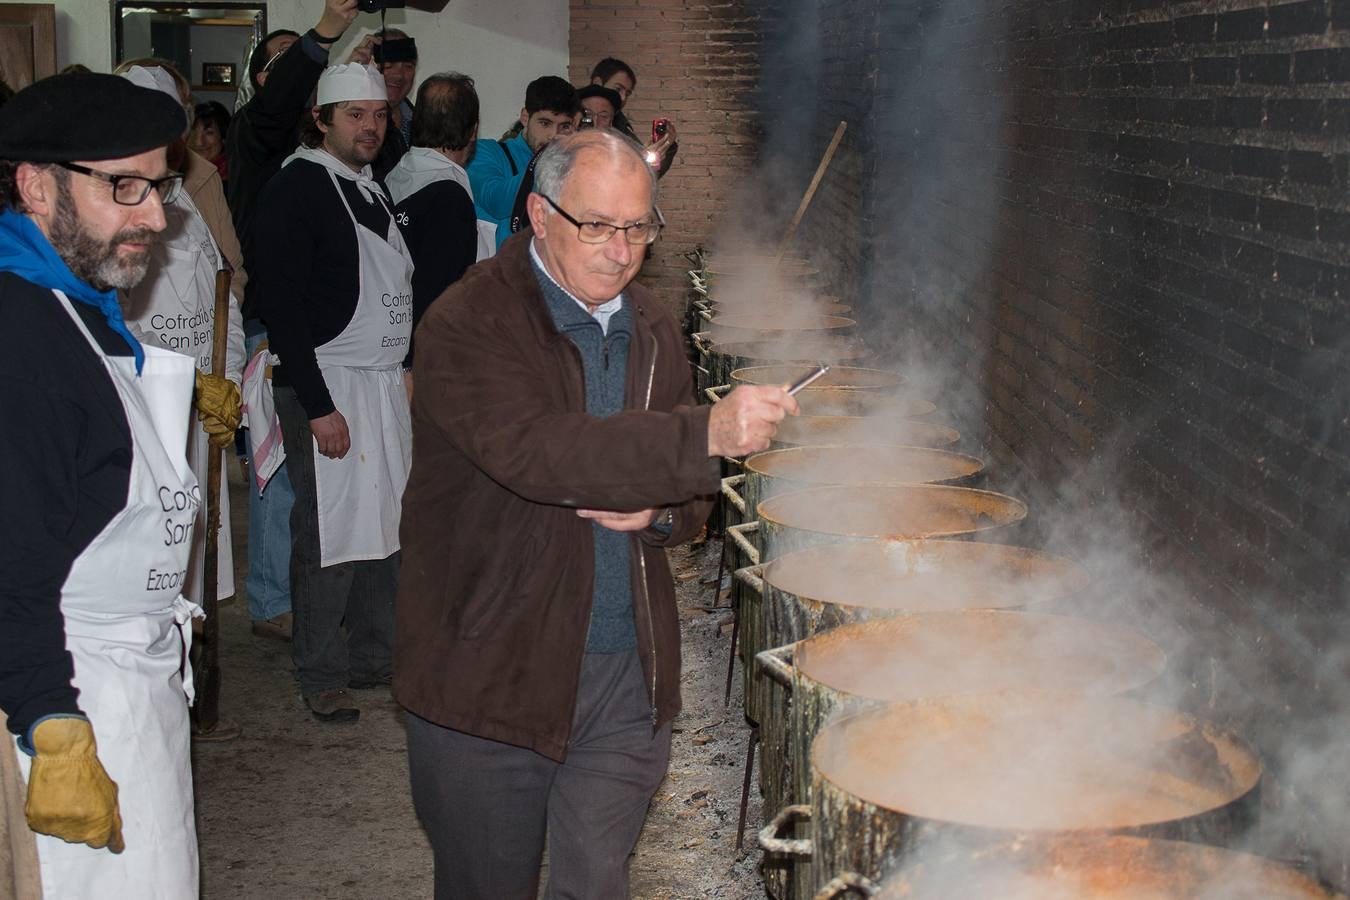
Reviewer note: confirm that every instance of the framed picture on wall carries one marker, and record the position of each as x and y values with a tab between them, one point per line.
220	74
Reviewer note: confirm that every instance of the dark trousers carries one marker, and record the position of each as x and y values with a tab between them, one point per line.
487	807
359	595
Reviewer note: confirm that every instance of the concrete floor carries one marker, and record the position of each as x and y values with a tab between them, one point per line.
297	809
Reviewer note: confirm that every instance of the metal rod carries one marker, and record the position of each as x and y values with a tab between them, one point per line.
745	786
807	379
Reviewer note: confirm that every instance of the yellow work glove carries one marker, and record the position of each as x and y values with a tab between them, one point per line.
218	408
70	796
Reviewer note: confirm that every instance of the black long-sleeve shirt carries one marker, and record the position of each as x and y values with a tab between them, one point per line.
65	468
306	270
441	230
263	134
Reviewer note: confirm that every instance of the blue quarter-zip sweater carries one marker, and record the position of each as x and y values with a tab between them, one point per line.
604	360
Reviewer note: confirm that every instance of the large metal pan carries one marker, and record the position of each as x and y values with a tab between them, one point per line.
776	472
933	654
1089	868
893	423
871	512
858	512
889	784
717	361
769	327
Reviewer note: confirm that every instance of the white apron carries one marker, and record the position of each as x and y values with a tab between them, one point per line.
360	497
422	166
174	307
126	628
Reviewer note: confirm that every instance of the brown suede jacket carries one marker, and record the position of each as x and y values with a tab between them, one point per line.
495	585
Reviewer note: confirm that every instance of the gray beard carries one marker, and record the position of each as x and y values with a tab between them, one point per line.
93	261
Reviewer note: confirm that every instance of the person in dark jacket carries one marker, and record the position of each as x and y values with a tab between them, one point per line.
620	78
557	451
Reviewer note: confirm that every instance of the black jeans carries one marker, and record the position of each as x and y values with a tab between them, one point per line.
359	595
487	806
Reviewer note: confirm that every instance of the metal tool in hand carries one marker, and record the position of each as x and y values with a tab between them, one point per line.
807	379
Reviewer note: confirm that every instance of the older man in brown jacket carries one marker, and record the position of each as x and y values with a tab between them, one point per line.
556	453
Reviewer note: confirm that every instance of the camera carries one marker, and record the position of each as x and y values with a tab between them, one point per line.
587	120
659	129
373	6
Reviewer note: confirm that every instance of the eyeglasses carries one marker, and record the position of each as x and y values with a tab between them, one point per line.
131	190
600	232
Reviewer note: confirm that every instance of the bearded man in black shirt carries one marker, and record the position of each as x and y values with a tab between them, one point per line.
335	291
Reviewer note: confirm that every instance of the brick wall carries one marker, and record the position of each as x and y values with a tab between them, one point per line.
696	64
1116	235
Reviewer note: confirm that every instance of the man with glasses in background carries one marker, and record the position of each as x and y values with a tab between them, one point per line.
99	500
558	452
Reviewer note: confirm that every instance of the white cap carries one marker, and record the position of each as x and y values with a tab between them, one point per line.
351	81
155	78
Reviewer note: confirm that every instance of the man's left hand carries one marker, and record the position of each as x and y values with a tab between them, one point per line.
620	521
218	407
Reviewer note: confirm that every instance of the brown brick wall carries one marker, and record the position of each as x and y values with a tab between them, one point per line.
696	64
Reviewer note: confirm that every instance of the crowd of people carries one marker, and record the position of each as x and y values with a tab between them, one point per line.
471	434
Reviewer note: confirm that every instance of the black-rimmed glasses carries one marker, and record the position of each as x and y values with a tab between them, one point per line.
600	232
131	190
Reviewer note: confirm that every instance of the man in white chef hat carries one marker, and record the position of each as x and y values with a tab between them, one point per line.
335	283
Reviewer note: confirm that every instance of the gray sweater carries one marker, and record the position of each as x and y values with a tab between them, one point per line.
604	359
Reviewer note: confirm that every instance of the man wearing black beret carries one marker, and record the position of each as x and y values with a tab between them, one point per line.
99	498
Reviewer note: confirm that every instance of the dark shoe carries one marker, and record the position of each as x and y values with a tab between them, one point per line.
333	706
370	683
277	628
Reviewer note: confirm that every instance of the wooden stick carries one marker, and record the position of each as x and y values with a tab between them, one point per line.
208	689
811	190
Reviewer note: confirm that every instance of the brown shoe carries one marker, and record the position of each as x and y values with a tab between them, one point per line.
333	706
277	628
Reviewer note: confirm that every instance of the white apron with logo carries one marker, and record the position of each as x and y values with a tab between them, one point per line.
174	307
422	166
360	497
128	633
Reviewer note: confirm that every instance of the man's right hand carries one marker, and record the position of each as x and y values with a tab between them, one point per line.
363	53
331	435
746	419
70	795
337	15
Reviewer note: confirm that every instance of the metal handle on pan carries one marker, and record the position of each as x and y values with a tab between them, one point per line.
769	841
846	883
715	393
738	534
750	577
777	663
706	314
729	486
700	340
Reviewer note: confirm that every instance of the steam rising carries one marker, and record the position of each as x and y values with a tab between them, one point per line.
1277	676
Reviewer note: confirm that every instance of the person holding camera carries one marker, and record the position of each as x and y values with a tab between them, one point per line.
599	106
620	78
500	168
336	294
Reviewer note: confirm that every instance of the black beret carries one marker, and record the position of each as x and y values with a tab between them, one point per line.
88	116
598	90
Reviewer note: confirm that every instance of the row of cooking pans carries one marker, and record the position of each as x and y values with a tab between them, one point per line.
925	730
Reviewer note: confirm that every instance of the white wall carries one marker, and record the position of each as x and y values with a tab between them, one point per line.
503	44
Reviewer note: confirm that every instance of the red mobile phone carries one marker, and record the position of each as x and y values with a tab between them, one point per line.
659	127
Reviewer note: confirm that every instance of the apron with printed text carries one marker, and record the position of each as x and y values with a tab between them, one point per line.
174	308
127	629
360	497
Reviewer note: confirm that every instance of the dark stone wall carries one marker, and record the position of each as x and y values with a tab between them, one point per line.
1112	237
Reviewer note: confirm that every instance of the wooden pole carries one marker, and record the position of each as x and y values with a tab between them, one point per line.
811	190
208	682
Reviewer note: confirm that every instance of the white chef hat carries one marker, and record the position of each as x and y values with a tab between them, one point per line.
156	78
351	81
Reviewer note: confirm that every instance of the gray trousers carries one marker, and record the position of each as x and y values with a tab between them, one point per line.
359	595
487	806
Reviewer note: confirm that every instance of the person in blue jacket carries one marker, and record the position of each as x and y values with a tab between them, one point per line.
498	167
